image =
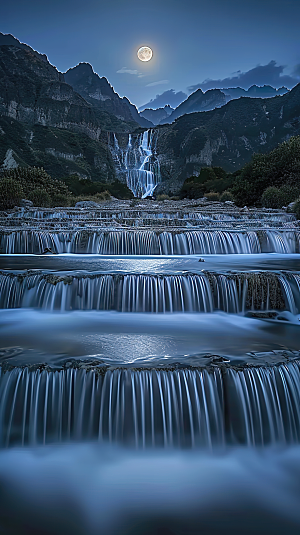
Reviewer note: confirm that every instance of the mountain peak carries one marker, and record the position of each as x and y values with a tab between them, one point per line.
7	39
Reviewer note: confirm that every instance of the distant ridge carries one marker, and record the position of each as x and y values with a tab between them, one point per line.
197	101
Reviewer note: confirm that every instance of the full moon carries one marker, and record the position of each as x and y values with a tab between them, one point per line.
144	53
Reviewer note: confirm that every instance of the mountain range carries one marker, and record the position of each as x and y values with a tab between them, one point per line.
226	136
62	121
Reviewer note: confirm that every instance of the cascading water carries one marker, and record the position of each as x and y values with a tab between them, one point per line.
138	163
149	352
206	292
147	242
152	408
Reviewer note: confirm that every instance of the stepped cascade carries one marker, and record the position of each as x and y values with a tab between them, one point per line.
178	322
204	292
149	346
147	341
136	161
152	408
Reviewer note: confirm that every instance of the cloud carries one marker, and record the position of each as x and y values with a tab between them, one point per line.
124	70
167	97
161	82
269	74
296	71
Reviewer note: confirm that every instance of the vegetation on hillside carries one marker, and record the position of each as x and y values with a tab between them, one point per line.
34	184
278	169
269	180
210	180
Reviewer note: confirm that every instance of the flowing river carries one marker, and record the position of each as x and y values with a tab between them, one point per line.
149	368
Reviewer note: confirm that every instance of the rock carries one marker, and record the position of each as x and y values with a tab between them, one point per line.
47	250
201	260
87	204
25	203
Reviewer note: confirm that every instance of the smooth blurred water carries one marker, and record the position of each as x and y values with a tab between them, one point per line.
194	379
86	490
124	338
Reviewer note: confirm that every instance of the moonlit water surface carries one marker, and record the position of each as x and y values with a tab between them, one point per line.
144	389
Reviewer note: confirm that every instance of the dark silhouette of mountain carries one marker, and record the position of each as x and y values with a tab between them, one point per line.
197	101
156	116
97	91
226	136
265	91
168	97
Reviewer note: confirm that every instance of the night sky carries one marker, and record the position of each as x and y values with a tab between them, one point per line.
196	43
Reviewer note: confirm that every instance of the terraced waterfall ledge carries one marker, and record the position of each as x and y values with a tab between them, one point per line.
150	324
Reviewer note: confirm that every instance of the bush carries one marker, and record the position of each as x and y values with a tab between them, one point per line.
278	168
210	179
212	196
104	196
35	178
85	186
11	193
296	209
192	190
59	199
40	197
162	197
227	196
206	173
274	197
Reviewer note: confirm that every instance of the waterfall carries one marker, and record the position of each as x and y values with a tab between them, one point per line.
149	242
152	408
177	216
137	162
205	292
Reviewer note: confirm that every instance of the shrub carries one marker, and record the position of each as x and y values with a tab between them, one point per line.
11	193
40	197
274	197
206	173
104	196
278	168
162	197
212	196
35	178
227	196
192	190
85	186
296	209
59	199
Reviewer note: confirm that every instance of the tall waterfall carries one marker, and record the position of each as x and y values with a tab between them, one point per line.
152	408
137	161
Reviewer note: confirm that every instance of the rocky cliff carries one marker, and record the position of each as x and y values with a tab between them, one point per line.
44	121
97	91
226	137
